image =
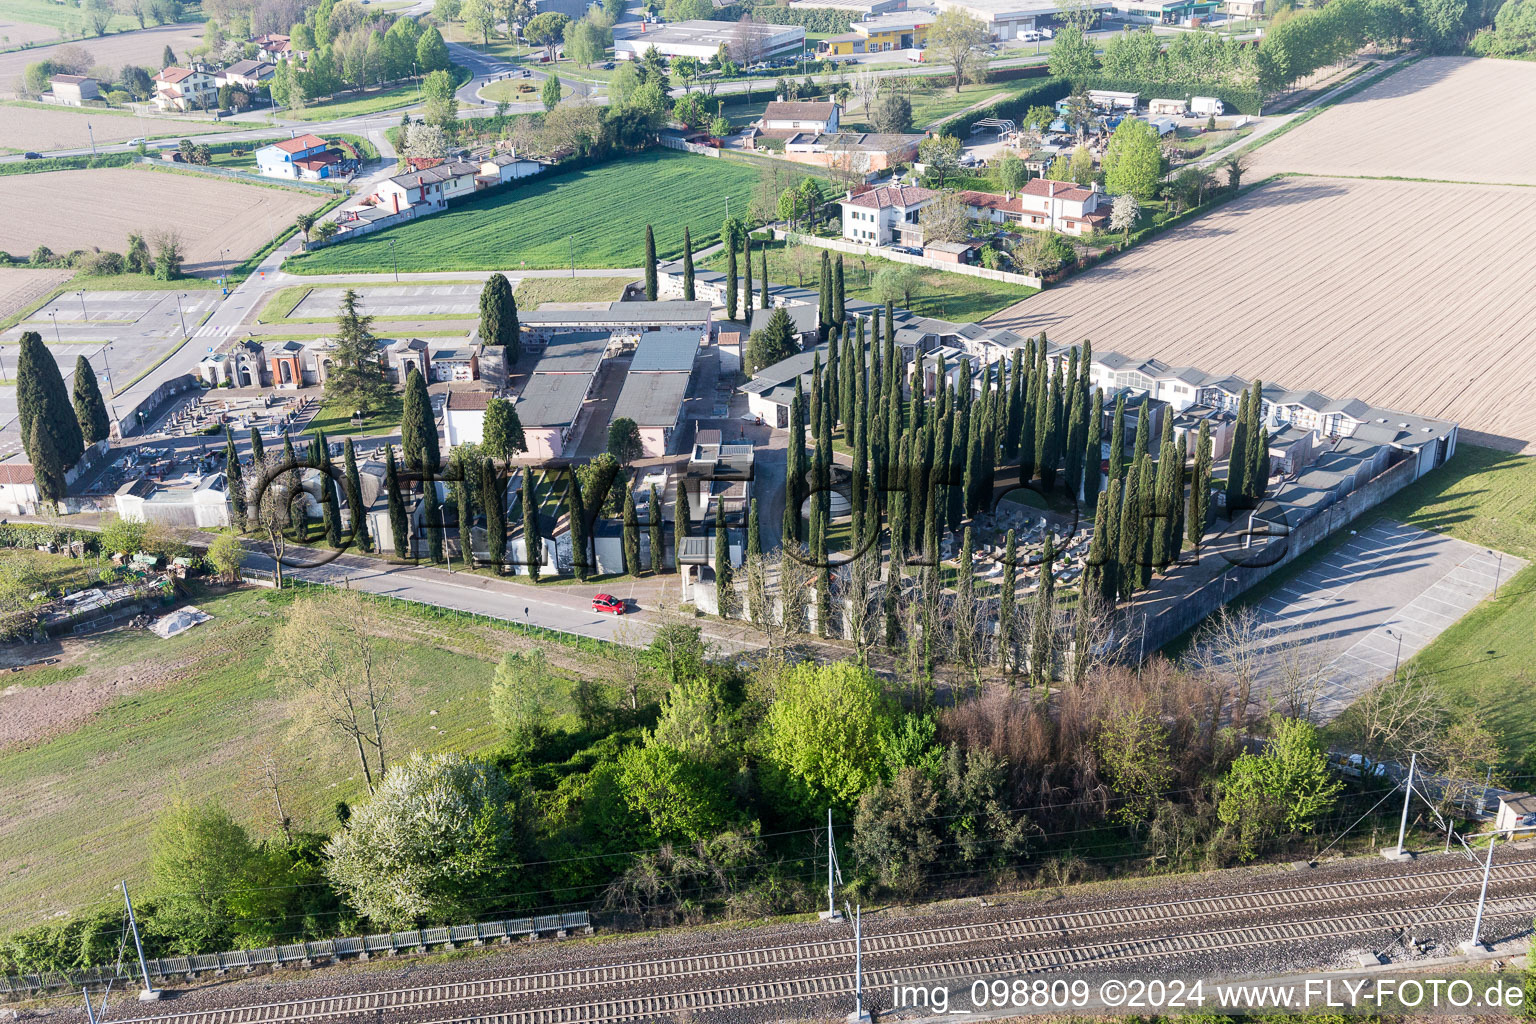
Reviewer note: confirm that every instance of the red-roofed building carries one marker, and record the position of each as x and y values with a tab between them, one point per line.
1044	205
880	216
18	488
185	89
273	46
306	156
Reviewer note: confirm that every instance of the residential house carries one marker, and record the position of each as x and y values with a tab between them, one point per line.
857	152
788	117
899	30
1045	205
428	190
75	90
18	488
500	168
885	214
304	156
248	75
185	89
274	47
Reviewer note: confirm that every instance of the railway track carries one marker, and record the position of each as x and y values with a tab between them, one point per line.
1018	930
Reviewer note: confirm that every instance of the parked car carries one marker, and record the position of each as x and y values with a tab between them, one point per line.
910	250
608	65
31	156
137	142
607	603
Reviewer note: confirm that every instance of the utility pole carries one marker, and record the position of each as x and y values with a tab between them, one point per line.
859	1014
92	134
90	1013
834	874
182	315
1475	944
1402	828
572	240
148	994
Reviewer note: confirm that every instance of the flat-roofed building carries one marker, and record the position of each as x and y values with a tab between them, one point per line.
548	409
1008	19
747	41
654	400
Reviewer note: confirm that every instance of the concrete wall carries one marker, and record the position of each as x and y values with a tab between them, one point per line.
1202	601
855	248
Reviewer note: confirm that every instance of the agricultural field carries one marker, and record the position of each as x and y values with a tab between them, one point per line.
1335	285
67	210
141	47
19	287
190	715
939	294
601	211
29	127
1379	132
21	33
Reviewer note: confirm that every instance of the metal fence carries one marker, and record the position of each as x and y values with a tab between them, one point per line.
305	954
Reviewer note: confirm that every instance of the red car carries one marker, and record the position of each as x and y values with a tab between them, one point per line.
607	603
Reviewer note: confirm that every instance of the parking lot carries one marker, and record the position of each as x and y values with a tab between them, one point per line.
397	301
1386	577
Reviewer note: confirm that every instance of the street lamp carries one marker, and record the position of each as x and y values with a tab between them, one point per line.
180	314
1498	571
83	314
572	240
53	314
395	259
106	365
92	134
1397	658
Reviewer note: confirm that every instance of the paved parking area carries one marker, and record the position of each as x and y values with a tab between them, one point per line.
1387	577
397	300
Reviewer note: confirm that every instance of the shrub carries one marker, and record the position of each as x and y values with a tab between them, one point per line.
42	256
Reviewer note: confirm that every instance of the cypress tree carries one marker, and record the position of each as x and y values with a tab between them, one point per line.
1056	420
513	347
1117	439
418	429
354	499
42	400
746	291
493	500
680	524
1238	460
1093	566
1166	503
725	586
1015	407
1043	429
847	375
1042	641
631	533
234	479
498	315
1180	478
839	310
1139	446
650	264
581	541
300	529
1093	449
462	473
434	516
258	450
1146	493
764	293
731	283
823	574
816	395
47	463
1006	597
824	310
1258	451
1200	489
688	292
1077	429
794	475
1129	555
90	409
399	525
533	542
1112	572
658	548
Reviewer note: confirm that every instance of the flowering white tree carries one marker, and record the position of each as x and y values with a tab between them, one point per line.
1123	216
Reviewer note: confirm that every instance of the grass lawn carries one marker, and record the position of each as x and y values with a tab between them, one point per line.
60	15
196	730
533	292
336	420
939	294
515	90
368	103
535	225
284	302
938	101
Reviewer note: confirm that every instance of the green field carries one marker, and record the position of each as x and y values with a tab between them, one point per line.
59	15
196	730
533	292
368	103
601	211
939	294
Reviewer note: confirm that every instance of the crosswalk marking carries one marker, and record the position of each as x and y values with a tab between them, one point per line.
213	331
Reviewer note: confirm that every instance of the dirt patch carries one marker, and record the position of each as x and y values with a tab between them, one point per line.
46	130
143	48
15	33
67	210
1380	132
21	288
1377	290
32	713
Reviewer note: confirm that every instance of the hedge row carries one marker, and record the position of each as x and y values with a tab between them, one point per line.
815	19
67	163
1042	93
1237	99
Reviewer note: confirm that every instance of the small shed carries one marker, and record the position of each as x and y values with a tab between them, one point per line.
1517	812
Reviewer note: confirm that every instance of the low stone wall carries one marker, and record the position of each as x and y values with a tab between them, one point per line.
965	269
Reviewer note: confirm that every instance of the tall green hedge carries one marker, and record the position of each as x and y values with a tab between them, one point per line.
814	19
1237	99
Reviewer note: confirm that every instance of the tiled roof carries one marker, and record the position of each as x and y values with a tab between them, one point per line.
892	195
469	401
787	110
16	473
1068	190
301	143
173	74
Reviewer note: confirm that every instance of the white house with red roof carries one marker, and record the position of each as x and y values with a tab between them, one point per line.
1044	205
305	156
185	89
273	46
881	215
18	488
